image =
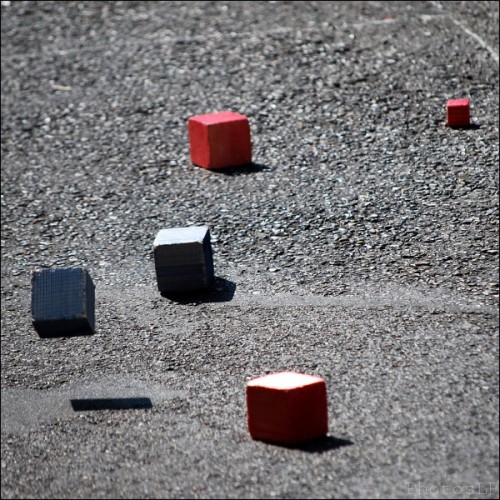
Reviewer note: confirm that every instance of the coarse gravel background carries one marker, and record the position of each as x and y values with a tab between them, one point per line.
361	246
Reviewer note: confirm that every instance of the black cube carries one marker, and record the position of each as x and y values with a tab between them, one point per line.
63	302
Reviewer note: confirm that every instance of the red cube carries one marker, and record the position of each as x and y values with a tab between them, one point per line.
458	113
220	140
287	408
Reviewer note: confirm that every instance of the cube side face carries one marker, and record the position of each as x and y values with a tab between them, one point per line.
179	254
58	294
182	279
309	410
287	416
458	113
90	302
230	143
62	302
198	143
209	260
268	414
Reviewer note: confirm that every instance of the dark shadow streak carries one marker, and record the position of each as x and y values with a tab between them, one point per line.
249	168
472	126
221	291
321	445
111	404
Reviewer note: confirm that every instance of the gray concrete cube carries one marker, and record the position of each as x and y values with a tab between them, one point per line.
183	259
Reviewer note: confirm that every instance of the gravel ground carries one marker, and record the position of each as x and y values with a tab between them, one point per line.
361	246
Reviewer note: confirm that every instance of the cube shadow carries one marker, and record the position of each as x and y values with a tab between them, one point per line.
247	169
96	404
320	445
221	291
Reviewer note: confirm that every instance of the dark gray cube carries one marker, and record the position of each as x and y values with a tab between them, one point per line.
183	259
63	302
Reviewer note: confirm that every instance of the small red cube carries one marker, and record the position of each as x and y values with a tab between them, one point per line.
287	408
220	140
458	113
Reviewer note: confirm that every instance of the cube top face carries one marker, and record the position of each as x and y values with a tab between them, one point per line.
458	103
181	235
220	140
59	294
216	118
285	381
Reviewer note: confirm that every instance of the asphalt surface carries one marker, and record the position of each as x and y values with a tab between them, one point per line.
361	246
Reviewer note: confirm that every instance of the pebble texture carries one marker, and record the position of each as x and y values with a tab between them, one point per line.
361	246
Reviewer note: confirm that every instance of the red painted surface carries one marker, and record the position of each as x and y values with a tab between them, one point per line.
458	113
287	408
220	140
